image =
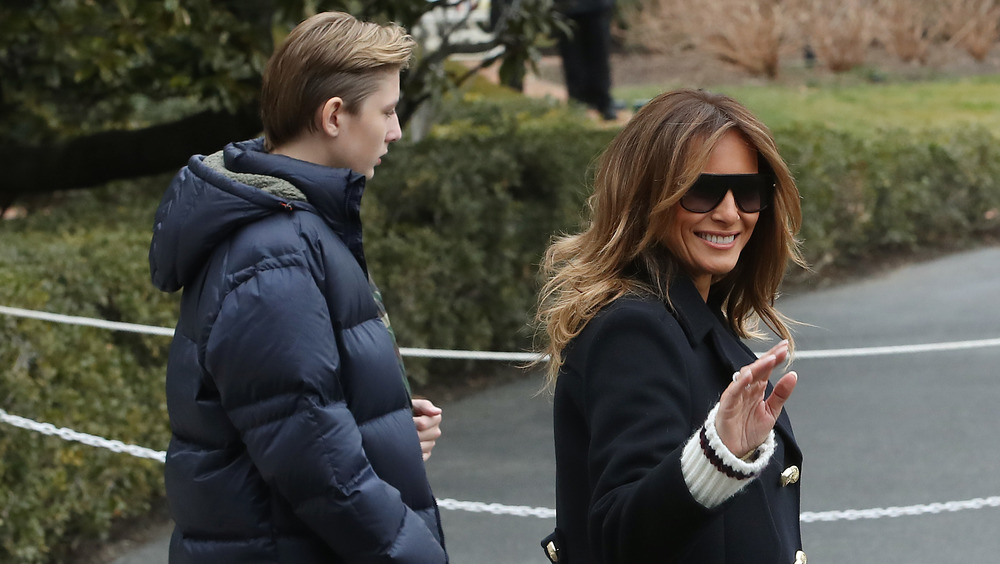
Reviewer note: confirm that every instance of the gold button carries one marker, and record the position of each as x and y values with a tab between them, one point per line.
790	476
552	551
800	557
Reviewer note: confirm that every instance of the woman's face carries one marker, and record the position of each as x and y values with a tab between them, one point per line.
708	245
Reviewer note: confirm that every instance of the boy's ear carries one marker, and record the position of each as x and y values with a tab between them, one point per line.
330	114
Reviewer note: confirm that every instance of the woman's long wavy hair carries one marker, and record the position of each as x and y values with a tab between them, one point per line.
640	179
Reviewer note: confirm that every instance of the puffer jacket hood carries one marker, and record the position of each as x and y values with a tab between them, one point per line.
216	195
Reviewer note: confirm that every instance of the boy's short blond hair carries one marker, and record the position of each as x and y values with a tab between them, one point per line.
329	54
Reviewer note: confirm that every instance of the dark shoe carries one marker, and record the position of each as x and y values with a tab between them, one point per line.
610	112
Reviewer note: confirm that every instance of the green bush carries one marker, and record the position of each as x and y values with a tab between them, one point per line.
455	226
79	254
892	191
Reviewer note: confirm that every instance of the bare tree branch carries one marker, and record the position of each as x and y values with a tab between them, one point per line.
91	160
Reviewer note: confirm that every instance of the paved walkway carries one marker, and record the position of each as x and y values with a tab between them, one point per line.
876	431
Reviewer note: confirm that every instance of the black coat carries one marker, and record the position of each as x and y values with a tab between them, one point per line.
293	438
579	7
636	384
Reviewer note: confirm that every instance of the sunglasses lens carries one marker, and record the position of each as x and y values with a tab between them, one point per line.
750	191
748	198
703	196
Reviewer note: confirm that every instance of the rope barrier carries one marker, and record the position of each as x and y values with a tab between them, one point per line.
86	321
89	440
516	510
900	349
908	510
473	355
805	517
498	508
510	356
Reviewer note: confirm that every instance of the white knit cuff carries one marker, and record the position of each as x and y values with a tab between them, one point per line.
712	473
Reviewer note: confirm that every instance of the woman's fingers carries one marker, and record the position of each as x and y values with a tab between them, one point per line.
762	367
753	377
778	351
742	423
781	392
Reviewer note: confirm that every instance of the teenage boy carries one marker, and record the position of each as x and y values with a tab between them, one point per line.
294	436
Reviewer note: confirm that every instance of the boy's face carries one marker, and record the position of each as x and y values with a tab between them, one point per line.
365	135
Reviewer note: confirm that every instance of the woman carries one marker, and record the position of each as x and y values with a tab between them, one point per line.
671	444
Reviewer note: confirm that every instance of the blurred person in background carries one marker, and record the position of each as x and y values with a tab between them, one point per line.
672	446
294	436
586	53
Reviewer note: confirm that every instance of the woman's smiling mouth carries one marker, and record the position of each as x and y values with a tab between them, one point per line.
718	239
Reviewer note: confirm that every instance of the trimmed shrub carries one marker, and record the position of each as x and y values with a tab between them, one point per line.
894	191
455	227
81	254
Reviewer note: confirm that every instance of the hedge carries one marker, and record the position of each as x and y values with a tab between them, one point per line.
80	254
893	191
462	231
455	224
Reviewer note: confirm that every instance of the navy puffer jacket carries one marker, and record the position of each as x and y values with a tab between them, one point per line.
293	438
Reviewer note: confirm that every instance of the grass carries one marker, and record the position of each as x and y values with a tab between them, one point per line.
868	106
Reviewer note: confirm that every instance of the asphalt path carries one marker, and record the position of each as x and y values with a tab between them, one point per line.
876	432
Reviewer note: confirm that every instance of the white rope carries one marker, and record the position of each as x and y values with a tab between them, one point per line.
515	510
900	349
512	356
805	517
908	510
497	508
473	355
86	321
89	440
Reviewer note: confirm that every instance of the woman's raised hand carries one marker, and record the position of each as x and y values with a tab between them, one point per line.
745	416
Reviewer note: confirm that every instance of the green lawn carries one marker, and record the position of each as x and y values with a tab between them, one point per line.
863	107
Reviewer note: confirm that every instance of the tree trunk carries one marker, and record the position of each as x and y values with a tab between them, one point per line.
91	160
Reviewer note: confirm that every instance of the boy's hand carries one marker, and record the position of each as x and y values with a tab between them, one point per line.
427	418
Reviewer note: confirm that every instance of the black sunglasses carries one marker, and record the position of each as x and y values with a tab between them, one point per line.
752	192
